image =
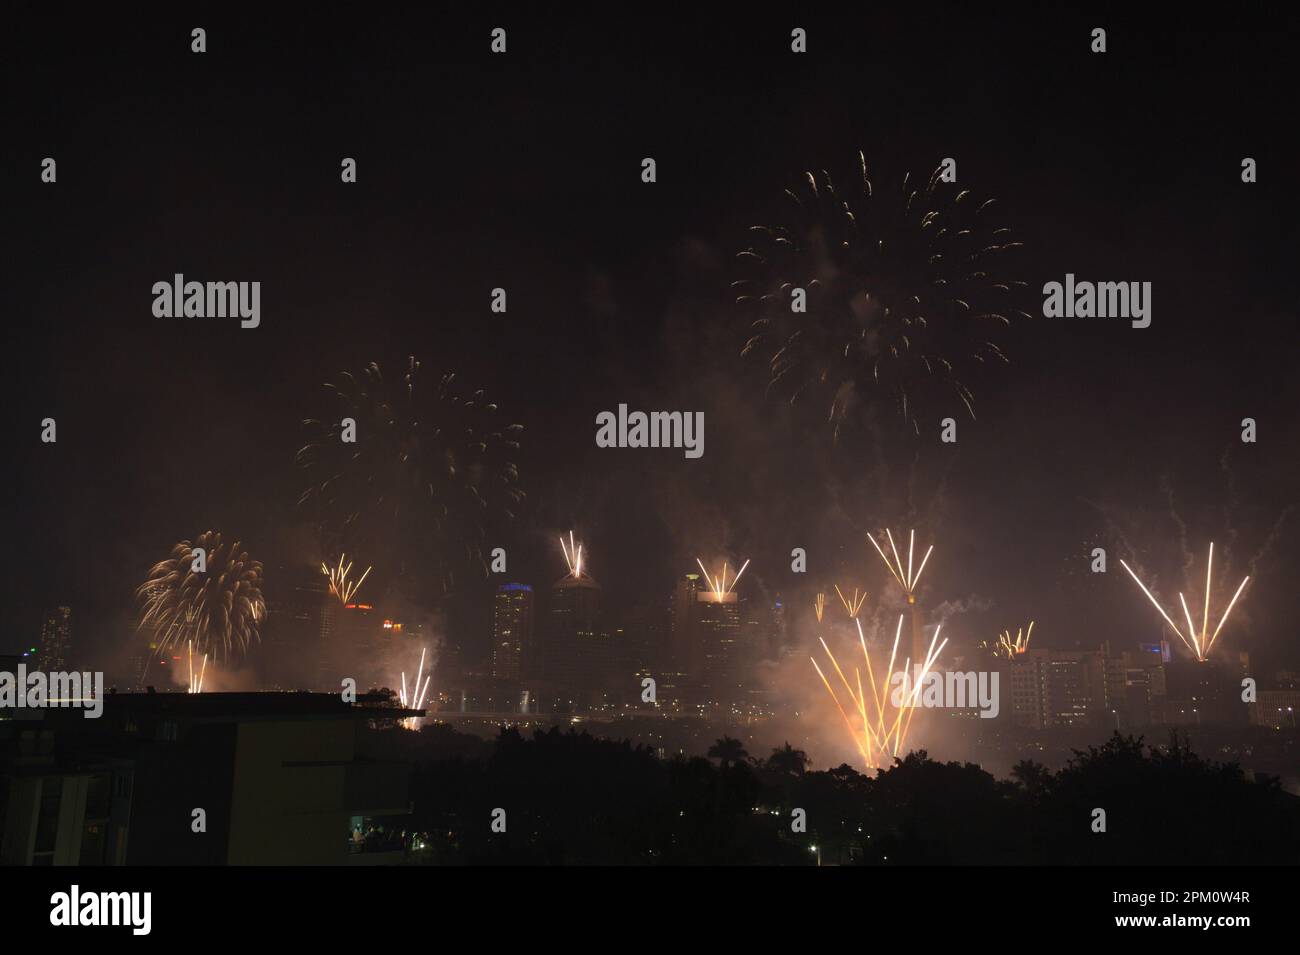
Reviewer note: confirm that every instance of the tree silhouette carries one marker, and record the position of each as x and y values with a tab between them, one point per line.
579	800
728	751
788	761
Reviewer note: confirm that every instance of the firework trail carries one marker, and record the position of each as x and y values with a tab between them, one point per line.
718	585
851	604
415	699
1012	647
905	291
572	556
1199	641
218	609
1274	534
196	687
427	472
1167	489
342	585
906	577
881	720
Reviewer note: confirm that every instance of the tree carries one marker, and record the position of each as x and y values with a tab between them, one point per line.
788	761
728	751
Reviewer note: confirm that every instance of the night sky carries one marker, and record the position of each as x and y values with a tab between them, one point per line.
523	171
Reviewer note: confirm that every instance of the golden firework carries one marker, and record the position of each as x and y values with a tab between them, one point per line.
1200	643
719	585
881	720
342	585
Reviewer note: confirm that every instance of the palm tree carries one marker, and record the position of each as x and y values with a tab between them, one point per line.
788	761
728	751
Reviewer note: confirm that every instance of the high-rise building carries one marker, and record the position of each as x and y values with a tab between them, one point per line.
357	636
56	639
1057	688
643	649
1134	680
718	626
294	637
1198	692
576	651
512	631
686	654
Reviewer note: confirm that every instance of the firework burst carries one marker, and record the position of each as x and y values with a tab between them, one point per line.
196	686
1199	641
419	473
907	579
572	556
415	699
342	585
718	585
851	604
1010	647
904	290
881	708
216	607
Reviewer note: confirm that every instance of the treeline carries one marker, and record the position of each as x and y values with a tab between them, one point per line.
570	798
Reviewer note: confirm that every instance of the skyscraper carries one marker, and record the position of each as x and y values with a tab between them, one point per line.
1057	688
576	651
719	631
56	639
512	631
684	641
299	609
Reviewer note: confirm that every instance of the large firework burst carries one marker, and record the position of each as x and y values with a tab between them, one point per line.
428	472
904	290
216	607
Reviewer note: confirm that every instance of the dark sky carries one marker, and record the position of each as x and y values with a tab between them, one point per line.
522	171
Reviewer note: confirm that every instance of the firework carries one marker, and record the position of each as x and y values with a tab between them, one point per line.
851	604
218	608
718	585
572	556
413	471
203	668
880	719
1012	648
1201	641
905	576
819	606
904	289
415	699
342	585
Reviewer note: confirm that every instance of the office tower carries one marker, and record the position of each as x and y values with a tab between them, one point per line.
299	609
1057	688
576	649
685	650
512	631
56	639
718	628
